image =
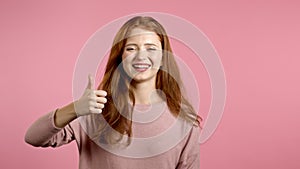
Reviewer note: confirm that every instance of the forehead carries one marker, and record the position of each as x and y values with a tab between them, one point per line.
142	35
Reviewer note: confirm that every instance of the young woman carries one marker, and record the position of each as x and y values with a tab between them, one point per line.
137	117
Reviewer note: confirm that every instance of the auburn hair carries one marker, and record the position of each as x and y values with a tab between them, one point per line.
117	111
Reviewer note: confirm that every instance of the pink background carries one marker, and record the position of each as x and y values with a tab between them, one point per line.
258	43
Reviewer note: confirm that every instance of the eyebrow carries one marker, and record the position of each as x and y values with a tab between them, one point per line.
146	44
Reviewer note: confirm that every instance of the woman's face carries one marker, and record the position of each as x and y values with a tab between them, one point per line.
142	55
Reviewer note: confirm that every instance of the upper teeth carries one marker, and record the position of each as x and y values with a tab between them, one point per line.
141	66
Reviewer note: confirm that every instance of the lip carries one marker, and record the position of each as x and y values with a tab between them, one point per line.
141	67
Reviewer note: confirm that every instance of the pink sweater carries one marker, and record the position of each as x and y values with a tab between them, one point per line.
176	147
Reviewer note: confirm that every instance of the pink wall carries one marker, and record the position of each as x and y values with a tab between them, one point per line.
258	43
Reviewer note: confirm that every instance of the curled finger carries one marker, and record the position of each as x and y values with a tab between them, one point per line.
95	111
101	99
100	93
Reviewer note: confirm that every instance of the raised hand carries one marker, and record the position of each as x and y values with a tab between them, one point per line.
92	101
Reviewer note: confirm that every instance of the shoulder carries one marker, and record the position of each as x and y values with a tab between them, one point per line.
194	134
191	133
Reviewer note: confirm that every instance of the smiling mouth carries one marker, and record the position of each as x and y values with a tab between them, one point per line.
141	67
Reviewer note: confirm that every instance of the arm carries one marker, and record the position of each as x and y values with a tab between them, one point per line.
190	156
43	132
54	129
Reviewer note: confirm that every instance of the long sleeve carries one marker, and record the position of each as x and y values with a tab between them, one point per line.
44	133
190	156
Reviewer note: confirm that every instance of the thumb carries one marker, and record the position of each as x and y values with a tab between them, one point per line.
90	82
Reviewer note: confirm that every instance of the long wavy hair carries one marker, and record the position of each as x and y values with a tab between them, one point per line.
117	111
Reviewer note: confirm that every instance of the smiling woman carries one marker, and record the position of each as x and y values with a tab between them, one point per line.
142	56
141	76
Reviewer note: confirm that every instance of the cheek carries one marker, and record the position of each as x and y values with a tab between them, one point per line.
126	61
158	59
124	55
157	62
128	55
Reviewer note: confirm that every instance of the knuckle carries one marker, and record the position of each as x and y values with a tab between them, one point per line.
104	100
101	106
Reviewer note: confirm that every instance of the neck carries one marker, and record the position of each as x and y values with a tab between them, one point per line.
145	93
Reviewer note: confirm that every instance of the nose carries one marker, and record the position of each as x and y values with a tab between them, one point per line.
141	54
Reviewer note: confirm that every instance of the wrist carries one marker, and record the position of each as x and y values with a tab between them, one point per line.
65	115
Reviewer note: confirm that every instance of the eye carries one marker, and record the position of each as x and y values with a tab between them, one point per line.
151	49
130	49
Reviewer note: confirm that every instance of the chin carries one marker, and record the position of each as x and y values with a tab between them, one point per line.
142	79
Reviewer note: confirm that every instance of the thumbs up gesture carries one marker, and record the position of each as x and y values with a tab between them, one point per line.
92	101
